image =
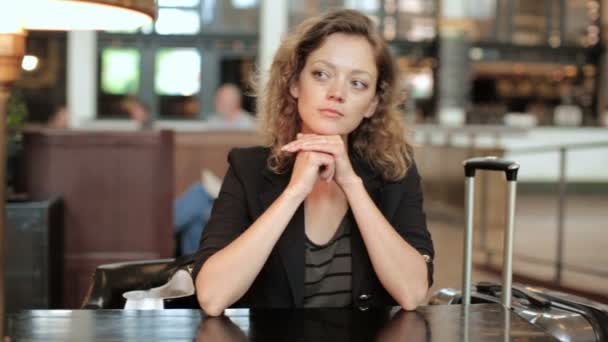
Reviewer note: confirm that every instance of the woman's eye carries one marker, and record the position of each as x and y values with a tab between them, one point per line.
320	74
359	84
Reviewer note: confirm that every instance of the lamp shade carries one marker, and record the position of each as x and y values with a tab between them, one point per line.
85	14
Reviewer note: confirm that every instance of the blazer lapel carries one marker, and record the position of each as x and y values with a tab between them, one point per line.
291	243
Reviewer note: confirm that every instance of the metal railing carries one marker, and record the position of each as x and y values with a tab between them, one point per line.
559	263
446	138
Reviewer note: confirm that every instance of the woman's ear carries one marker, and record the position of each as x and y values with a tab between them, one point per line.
294	90
372	108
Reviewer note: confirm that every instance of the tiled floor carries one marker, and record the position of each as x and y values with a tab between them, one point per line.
585	250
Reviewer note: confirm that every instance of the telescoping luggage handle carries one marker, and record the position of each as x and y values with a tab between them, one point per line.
510	169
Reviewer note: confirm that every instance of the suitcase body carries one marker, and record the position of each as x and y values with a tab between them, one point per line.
556	313
565	317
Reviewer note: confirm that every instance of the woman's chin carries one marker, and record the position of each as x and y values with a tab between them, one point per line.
326	130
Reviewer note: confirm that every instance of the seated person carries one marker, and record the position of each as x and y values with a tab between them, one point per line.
329	213
228	112
138	112
192	210
60	119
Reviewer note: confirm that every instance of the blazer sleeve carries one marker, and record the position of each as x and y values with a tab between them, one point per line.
229	217
409	218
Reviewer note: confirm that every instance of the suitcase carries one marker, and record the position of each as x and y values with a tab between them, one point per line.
565	317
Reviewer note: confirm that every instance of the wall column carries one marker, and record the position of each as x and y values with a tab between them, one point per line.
81	87
454	68
273	25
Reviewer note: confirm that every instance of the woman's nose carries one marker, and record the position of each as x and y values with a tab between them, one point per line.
336	92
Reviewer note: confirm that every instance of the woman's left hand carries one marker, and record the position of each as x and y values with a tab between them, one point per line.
332	145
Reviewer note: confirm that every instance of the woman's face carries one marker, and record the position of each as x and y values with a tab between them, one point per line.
337	87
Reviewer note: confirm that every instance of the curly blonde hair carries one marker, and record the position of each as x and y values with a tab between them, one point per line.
379	140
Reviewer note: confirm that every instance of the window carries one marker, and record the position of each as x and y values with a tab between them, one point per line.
177	21
120	71
177	81
178	3
162	65
119	80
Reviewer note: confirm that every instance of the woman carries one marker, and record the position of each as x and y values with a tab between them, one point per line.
330	213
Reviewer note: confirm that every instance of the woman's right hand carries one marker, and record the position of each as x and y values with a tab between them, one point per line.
309	167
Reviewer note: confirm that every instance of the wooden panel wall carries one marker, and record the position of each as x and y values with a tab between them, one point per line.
117	189
195	151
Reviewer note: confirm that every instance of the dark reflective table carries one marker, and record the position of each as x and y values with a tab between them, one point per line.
480	322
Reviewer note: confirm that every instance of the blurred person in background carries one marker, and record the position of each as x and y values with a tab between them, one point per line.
228	111
138	112
60	119
191	212
192	207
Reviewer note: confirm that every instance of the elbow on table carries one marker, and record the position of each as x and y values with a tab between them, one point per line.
409	304
210	306
209	301
410	300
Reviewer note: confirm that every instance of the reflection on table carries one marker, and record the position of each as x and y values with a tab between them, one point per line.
480	322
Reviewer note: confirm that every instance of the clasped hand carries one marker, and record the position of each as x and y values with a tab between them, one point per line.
322	157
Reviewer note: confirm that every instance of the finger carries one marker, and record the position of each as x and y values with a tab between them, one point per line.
327	138
330	177
319	141
326	166
324	172
327	173
287	147
316	146
291	146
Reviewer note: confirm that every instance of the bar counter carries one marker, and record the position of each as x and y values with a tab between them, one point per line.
478	322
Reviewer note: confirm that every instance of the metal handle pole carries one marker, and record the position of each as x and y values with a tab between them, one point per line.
510	168
468	239
506	326
483	216
561	209
507	268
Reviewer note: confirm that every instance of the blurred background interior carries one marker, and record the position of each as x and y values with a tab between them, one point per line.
108	129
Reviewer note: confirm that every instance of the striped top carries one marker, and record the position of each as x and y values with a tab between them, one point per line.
327	282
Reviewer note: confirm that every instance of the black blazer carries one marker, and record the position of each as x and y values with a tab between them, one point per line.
249	188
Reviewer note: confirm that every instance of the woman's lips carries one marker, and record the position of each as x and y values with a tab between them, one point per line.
330	112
